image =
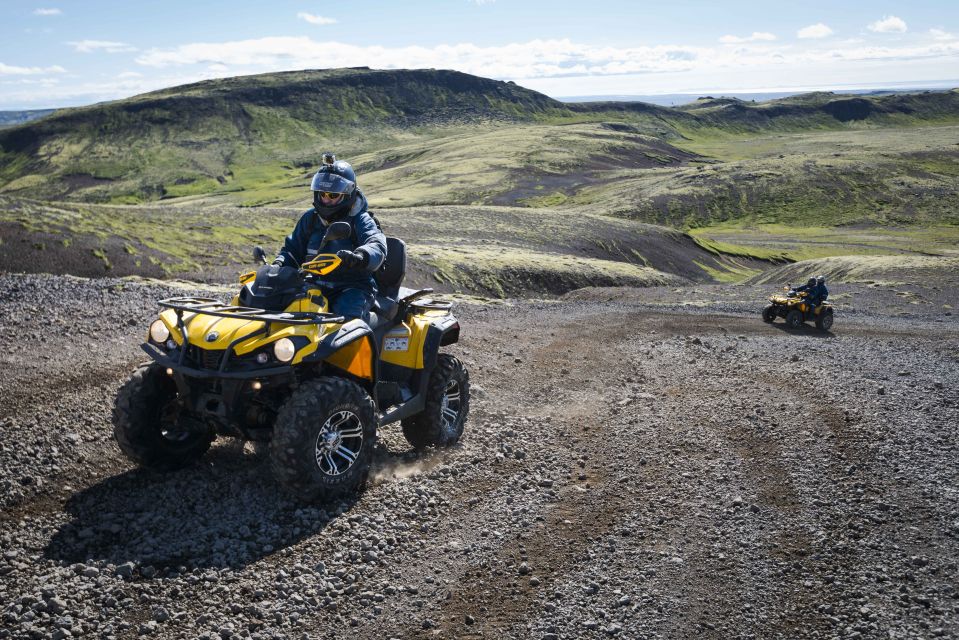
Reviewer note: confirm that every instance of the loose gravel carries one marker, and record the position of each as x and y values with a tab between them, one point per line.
637	463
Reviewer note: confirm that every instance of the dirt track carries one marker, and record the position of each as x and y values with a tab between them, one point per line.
638	463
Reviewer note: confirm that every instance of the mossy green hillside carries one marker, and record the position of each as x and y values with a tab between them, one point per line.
480	249
196	140
795	243
895	176
141	146
503	271
178	242
868	269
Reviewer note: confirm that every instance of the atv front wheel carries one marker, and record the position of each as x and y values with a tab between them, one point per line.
323	439
447	404
824	321
147	424
794	319
769	313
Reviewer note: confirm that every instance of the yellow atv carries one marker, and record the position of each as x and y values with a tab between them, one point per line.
275	365
793	307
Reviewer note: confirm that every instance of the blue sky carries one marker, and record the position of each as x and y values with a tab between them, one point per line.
69	52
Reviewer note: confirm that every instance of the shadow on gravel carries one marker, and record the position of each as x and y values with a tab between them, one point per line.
227	511
804	330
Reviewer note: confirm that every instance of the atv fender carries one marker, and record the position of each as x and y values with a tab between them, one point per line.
443	331
350	348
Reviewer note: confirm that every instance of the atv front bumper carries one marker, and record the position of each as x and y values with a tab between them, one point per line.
164	360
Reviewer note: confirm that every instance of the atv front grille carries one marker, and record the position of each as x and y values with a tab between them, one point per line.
211	359
205	358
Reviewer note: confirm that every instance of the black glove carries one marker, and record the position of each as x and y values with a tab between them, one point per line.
352	259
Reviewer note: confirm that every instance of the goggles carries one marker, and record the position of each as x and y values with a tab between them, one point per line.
330	195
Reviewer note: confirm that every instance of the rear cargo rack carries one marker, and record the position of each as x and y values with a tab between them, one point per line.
432	305
211	307
415	300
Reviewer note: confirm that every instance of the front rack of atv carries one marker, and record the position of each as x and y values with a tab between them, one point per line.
211	307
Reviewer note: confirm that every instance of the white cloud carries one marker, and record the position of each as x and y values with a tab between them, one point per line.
939	34
315	19
129	74
557	67
10	70
537	58
47	12
92	46
814	31
755	37
534	59
888	24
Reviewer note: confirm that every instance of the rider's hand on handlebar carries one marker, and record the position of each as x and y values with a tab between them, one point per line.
352	259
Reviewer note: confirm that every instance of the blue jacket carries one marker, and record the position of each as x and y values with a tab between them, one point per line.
366	238
814	294
821	292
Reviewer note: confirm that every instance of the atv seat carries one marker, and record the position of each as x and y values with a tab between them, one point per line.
388	278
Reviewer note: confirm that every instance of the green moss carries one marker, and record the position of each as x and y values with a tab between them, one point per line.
191	187
104	258
551	200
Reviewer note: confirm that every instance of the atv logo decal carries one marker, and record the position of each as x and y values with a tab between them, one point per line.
396	344
212	336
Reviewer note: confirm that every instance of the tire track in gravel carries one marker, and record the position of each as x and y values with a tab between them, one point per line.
39	391
589	506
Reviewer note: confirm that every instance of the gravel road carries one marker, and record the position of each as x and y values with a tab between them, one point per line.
637	463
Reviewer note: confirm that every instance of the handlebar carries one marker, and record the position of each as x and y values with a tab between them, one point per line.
321	264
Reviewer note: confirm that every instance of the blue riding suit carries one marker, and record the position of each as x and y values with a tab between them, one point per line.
815	295
350	291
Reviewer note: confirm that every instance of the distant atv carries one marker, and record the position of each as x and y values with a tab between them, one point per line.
793	307
275	365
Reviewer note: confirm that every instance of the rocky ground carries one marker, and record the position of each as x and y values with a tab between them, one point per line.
637	463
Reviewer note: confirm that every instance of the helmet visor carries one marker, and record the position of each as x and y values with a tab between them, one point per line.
331	183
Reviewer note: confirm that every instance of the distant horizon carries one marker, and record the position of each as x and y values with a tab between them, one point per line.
662	99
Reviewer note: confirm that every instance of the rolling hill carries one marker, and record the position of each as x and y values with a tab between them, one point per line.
181	181
247	139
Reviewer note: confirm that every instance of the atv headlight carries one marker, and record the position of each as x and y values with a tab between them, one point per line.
158	332
284	349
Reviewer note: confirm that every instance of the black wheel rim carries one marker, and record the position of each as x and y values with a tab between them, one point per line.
171	430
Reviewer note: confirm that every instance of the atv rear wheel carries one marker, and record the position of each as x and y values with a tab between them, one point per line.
440	424
147	424
794	319
769	313
323	439
824	321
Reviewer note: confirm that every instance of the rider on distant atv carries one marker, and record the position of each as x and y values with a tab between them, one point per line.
351	288
816	291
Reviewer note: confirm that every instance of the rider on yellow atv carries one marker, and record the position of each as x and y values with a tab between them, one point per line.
816	292
351	288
